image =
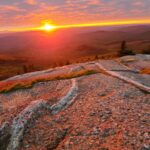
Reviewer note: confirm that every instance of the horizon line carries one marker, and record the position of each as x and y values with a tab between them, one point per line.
99	24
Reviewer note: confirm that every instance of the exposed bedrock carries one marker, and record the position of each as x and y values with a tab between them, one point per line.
36	108
67	100
126	79
23	121
102	84
4	135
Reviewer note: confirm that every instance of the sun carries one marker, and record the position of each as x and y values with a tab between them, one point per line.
48	27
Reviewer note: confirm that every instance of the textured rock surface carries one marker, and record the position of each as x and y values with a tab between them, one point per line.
23	121
105	107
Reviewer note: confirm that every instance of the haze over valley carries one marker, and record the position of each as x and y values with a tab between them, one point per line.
40	50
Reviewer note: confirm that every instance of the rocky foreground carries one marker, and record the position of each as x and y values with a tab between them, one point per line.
99	105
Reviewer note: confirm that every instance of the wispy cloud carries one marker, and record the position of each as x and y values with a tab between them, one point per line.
32	12
31	2
8	8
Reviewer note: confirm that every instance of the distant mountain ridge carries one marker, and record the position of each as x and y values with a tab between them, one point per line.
67	42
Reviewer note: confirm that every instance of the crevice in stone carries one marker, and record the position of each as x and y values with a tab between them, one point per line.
118	76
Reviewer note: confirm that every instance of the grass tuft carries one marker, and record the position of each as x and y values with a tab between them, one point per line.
29	84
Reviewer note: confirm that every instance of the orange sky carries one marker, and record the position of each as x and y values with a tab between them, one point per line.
16	15
107	23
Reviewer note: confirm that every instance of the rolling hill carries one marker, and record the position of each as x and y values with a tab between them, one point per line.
50	49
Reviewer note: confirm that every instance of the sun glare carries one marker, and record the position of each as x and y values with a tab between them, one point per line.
48	27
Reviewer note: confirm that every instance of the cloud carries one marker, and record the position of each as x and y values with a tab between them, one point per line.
8	8
32	12
31	2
